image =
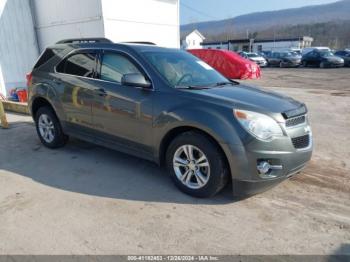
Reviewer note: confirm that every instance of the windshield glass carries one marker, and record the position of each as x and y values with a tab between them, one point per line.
180	68
326	53
288	54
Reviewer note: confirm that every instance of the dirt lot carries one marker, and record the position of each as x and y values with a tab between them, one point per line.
85	199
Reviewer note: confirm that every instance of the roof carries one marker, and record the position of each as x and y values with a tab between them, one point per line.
135	46
194	31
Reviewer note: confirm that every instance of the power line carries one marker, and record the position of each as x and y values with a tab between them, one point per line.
197	11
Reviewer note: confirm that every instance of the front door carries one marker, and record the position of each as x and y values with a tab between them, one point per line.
122	115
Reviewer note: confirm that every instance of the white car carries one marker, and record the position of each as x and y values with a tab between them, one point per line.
261	61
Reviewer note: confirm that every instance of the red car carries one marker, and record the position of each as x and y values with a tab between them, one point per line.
228	63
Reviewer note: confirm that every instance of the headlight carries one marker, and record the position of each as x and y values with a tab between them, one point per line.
261	126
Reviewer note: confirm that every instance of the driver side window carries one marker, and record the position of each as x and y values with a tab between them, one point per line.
114	66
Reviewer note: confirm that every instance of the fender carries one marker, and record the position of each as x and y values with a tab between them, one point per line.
47	92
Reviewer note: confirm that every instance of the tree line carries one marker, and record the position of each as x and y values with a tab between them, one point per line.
334	34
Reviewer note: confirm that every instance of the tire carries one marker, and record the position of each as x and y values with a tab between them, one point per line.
322	65
49	128
304	64
281	65
205	180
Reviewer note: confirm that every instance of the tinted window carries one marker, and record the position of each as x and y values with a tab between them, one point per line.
47	55
114	66
341	53
78	65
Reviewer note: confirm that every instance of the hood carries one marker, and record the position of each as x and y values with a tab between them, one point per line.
334	59
257	58
250	98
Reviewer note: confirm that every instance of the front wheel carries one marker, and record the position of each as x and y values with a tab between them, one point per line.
196	165
49	128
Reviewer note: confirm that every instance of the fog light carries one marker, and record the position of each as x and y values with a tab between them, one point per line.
264	167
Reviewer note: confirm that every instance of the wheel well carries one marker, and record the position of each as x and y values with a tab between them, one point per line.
170	136
38	103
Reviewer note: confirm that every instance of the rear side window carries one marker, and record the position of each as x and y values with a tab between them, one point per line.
82	64
114	66
45	57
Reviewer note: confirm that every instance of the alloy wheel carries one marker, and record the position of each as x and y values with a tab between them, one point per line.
191	166
46	128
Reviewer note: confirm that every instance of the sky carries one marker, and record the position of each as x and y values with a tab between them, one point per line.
206	10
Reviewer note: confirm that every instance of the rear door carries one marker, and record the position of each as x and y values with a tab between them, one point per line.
314	58
276	59
75	78
122	114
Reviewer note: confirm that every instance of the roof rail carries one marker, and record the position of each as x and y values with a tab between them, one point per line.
139	42
84	40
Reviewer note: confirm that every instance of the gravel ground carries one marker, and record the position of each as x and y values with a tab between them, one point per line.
84	199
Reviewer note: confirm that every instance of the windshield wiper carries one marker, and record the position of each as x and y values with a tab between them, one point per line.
225	83
218	84
191	87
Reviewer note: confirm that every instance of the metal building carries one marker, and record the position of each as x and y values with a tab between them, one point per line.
28	26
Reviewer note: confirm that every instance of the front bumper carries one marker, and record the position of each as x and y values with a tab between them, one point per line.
261	63
334	64
243	161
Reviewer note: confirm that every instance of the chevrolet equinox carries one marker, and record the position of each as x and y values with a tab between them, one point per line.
167	106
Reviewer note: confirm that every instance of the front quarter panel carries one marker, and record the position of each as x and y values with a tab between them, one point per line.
216	120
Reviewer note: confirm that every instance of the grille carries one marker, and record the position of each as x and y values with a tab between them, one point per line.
301	141
295	121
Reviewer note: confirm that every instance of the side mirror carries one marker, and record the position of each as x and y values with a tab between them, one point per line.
136	80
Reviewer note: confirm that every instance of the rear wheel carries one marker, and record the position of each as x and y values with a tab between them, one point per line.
49	128
196	165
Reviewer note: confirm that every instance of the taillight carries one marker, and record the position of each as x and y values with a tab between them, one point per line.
29	77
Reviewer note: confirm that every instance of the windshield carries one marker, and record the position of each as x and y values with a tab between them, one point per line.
180	68
326	53
252	55
288	54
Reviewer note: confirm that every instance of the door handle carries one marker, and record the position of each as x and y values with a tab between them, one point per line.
101	92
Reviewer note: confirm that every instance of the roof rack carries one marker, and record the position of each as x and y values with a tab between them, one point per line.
84	40
139	42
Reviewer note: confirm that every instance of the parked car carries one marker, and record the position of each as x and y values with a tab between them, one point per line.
317	48
295	51
345	54
322	59
168	106
260	60
284	59
228	63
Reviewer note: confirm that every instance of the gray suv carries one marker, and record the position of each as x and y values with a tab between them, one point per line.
167	106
